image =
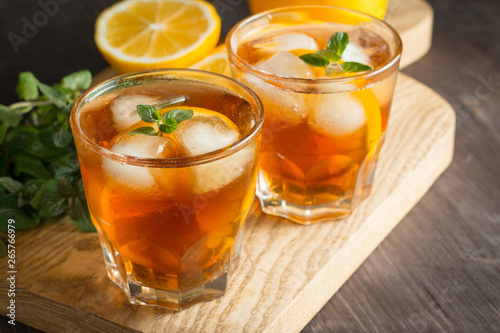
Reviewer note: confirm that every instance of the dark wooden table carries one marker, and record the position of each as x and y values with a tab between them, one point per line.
439	270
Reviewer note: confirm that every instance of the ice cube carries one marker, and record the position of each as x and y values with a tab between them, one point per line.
336	114
287	106
286	64
201	135
288	42
142	146
124	109
355	53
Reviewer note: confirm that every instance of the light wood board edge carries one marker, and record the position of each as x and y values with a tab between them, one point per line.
413	20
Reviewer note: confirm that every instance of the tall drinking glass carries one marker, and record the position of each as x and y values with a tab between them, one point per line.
169	208
324	126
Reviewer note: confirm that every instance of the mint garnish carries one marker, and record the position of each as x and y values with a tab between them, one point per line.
338	42
166	124
330	57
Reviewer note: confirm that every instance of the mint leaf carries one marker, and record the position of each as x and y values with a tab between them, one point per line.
84	222
144	130
61	137
48	201
329	54
29	164
54	95
147	113
168	126
315	59
338	42
66	189
11	185
351	67
157	115
179	115
10	117
67	167
3	131
77	81
27	88
25	217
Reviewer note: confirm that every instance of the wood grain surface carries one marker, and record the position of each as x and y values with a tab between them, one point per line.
439	270
287	271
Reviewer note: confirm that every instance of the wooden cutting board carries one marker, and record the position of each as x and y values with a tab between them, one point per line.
287	271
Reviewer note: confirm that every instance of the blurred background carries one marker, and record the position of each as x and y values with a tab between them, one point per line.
65	42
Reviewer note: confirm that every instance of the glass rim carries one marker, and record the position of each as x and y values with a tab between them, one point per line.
341	80
177	162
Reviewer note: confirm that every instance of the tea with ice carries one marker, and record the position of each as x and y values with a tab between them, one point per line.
324	125
169	223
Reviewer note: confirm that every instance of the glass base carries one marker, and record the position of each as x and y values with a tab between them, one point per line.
273	204
141	294
176	301
277	195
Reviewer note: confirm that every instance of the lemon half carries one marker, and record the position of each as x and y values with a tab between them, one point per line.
137	35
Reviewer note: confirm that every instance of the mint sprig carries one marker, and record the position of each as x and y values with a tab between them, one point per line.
166	124
39	173
330	57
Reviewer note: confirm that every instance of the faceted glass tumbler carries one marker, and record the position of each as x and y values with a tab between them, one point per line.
170	228
322	134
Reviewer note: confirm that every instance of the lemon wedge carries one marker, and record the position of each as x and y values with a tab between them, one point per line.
215	62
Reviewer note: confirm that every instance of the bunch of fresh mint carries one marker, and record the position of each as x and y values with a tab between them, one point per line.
39	172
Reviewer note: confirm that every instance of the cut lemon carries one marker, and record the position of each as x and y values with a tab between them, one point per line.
216	62
137	35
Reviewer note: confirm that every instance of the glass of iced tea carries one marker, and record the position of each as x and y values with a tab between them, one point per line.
326	77
169	206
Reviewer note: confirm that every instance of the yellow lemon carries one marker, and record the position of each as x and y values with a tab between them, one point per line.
137	35
215	62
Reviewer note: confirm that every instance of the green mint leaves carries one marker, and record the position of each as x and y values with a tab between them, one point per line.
166	124
39	173
330	57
